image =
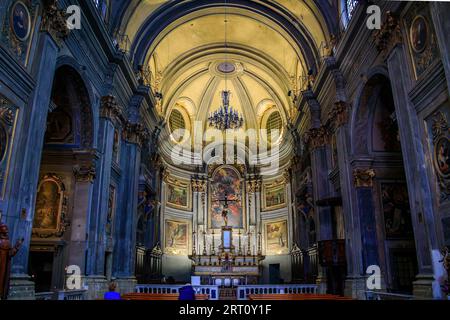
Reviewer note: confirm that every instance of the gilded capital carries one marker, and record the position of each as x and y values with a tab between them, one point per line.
109	108
389	35
84	173
135	133
316	137
363	178
54	21
338	115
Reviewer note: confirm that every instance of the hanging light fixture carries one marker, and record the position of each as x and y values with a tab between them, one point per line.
225	117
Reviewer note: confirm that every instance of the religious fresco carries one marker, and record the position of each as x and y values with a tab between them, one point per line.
274	197
276	238
176	237
177	196
226	194
396	211
423	46
51	205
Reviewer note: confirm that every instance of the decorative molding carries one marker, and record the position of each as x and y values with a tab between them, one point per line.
54	21
363	178
389	35
441	145
135	133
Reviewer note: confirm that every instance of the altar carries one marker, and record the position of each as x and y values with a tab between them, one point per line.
228	267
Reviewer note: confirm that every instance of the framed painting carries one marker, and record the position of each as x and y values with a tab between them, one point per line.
274	196
20	20
178	195
276	237
423	47
226	198
396	211
176	237
50	210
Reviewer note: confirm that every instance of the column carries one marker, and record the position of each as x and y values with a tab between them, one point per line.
134	135
20	213
84	173
390	43
317	139
110	118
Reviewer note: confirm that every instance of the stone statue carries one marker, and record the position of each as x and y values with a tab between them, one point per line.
6	253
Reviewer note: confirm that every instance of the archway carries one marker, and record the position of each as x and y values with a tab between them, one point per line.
376	145
66	173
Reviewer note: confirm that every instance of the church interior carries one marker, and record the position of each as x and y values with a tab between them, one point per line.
254	149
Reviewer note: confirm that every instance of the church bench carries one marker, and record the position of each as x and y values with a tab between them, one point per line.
158	296
288	297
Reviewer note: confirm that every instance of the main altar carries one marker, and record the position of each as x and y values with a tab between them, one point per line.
228	266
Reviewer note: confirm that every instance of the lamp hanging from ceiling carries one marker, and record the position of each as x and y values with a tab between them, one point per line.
225	117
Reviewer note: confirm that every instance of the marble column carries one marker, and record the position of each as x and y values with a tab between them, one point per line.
413	149
317	138
134	134
110	120
20	213
84	173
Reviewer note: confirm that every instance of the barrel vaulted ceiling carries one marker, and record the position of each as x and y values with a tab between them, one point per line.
269	46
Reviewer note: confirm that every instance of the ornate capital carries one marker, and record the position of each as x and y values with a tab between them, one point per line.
253	185
363	178
338	115
316	137
84	173
389	35
198	185
54	21
135	133
109	108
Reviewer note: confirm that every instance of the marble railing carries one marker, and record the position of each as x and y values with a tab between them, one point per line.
211	291
62	295
376	295
244	291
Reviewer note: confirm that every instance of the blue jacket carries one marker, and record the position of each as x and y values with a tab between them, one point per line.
187	293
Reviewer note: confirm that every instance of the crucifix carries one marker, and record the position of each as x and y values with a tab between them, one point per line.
225	201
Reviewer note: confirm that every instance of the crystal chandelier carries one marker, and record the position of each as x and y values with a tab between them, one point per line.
225	117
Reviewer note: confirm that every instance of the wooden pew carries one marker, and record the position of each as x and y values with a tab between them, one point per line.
158	296
288	297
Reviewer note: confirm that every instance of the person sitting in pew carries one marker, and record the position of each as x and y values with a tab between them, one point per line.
187	292
112	294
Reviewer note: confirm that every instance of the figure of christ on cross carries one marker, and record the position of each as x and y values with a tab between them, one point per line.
225	201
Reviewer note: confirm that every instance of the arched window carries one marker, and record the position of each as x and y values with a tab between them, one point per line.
274	122
176	121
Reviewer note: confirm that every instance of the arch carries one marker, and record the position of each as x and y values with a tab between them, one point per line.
168	13
71	120
362	115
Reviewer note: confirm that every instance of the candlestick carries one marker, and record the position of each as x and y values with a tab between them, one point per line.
194	251
204	243
213	251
